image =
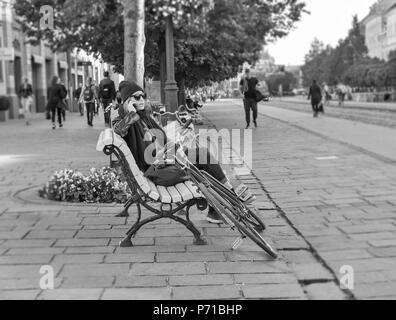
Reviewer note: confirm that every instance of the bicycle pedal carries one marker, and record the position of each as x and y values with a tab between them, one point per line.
246	196
241	189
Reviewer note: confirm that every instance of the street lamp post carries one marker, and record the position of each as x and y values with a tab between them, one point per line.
171	98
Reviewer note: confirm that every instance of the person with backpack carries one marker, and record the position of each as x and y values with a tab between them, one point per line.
107	94
88	97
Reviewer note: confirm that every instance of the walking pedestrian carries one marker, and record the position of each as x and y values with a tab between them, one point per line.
55	96
77	95
248	86
89	97
63	103
25	94
315	94
341	93
107	94
96	92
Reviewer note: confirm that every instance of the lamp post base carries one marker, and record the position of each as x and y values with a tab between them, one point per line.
171	98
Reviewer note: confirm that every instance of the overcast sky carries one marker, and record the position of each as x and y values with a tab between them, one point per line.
329	21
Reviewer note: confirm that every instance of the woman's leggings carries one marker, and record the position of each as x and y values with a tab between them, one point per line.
55	110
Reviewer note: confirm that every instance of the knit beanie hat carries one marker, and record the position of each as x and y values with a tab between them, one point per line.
128	88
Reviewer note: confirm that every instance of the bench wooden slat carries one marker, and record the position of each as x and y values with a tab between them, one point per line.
164	194
176	197
194	189
184	191
154	194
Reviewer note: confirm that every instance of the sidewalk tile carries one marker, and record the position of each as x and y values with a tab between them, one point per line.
140	281
137	294
168	268
206	293
19	294
71	294
278	291
200	280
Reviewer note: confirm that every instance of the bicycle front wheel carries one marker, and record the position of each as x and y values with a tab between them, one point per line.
225	209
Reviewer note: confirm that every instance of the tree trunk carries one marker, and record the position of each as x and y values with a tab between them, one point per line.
134	41
69	79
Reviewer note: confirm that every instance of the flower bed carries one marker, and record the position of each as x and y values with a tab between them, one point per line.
99	186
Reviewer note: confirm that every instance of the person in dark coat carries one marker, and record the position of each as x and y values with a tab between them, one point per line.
55	95
315	94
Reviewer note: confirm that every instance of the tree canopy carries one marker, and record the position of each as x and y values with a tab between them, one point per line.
212	37
327	64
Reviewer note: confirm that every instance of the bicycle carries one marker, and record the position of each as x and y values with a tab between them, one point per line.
233	211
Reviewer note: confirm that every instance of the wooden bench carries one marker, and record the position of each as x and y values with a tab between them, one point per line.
169	200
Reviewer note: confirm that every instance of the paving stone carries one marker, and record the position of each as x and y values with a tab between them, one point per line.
273	291
91	250
129	258
25	259
383	243
247	256
103	221
137	294
71	294
206	292
19	294
164	241
367	228
81	242
28	243
138	241
325	291
88	282
383	252
190	257
299	256
382	289
140	281
313	271
142	249
43	234
6	235
201	280
168	268
78	258
346	255
91	234
270	278
24	284
21	271
247	267
86	270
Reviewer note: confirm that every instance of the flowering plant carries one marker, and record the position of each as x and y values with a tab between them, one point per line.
99	186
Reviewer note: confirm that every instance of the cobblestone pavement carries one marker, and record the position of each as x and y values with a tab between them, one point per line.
342	206
383	114
323	215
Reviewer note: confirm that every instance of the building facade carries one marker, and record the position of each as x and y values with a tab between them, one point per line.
380	29
19	59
